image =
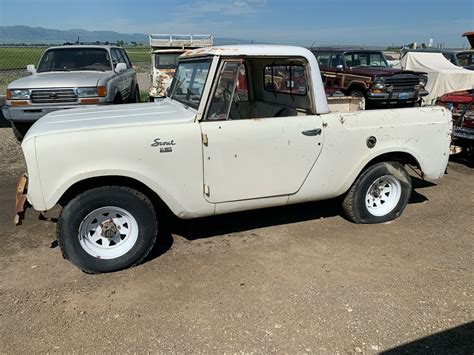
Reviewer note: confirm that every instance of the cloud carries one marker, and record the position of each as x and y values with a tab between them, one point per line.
224	8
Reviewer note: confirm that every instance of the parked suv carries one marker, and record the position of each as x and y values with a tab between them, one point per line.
366	73
70	76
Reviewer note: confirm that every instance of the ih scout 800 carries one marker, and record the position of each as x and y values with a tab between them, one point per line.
244	127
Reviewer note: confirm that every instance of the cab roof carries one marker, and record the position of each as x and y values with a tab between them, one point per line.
100	46
253	50
250	50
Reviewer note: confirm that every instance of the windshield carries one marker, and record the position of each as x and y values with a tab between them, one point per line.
365	59
188	83
70	59
166	61
465	59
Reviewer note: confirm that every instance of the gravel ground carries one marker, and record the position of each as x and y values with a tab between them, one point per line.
11	158
293	279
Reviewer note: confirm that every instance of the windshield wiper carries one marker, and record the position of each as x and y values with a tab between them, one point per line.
86	68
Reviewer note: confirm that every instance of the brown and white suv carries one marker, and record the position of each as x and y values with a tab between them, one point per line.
366	73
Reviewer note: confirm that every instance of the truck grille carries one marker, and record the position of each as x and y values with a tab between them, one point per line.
53	96
403	82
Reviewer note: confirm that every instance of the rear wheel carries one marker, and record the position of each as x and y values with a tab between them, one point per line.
19	129
107	229
380	194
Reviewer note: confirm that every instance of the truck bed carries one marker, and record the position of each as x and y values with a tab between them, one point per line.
346	104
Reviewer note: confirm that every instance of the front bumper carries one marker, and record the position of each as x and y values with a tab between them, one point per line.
33	113
21	202
396	97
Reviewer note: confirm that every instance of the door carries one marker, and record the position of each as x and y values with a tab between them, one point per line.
129	74
247	155
120	78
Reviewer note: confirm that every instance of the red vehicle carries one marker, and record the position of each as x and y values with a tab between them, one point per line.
461	103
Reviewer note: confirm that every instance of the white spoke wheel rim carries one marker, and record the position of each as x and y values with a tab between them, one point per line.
108	232
383	195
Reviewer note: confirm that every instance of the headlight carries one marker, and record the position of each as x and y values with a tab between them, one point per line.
423	80
18	94
87	92
378	83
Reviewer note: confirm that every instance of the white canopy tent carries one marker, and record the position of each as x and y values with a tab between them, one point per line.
443	76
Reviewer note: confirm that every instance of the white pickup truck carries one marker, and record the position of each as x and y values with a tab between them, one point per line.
244	127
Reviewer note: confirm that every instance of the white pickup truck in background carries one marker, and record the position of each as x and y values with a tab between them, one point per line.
244	127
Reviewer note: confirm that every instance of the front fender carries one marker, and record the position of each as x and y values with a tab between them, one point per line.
52	197
175	176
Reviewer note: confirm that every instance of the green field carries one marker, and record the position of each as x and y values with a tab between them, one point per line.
20	57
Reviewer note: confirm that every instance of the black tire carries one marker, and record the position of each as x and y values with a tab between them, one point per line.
77	211
357	93
355	204
135	95
19	129
360	93
118	99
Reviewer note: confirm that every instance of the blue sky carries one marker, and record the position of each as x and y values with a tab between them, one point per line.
374	22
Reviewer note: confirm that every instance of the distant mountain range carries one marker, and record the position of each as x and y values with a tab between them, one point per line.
40	35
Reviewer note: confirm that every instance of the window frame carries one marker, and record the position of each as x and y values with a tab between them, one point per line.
156	58
215	84
290	64
173	83
126	58
369	53
318	53
65	48
114	54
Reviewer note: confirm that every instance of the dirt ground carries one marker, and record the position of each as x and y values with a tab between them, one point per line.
293	279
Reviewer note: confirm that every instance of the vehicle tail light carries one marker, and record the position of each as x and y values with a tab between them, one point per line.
101	91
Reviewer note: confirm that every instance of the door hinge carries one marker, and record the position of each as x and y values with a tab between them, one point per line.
204	139
207	192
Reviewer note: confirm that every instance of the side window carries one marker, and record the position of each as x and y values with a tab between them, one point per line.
126	59
115	57
336	59
287	79
323	58
348	58
225	91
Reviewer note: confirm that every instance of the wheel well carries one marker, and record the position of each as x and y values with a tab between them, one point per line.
400	157
100	181
356	86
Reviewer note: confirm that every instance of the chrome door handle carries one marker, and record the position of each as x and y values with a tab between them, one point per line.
312	132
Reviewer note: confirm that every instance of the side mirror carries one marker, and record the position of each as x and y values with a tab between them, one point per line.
340	67
31	68
120	67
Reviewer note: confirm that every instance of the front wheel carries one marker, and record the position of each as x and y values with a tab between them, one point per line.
135	95
380	194
107	229
357	93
